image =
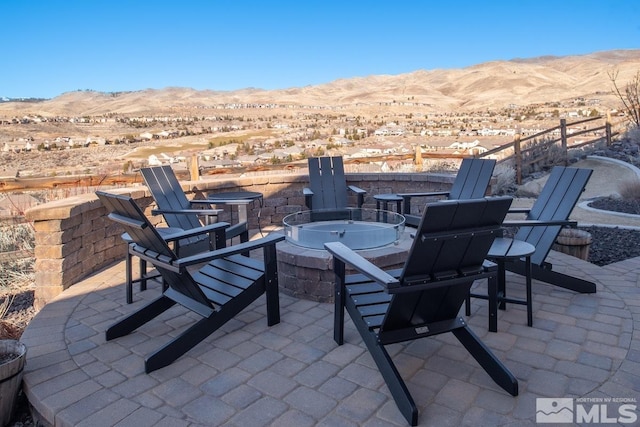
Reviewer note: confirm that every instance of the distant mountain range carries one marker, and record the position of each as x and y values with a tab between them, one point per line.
489	85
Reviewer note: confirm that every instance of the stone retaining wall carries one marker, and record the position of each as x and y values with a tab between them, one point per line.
74	238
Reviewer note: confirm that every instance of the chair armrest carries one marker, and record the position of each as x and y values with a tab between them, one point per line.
268	240
519	210
202	212
214	201
489	265
412	220
359	194
406	198
429	194
207	229
534	223
200	202
308	195
362	265
356	190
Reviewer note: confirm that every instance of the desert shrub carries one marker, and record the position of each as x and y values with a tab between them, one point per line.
16	272
633	135
630	190
505	179
20	237
541	155
16	255
430	165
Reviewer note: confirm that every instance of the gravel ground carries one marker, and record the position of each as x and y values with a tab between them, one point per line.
617	205
611	245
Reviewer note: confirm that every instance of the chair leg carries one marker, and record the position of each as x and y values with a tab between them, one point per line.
339	295
188	339
143	275
138	318
528	291
492	297
467	305
489	362
129	281
554	278
184	342
387	368
502	285
271	285
128	277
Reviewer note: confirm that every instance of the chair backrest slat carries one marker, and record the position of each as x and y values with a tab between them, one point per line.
472	179
168	195
454	237
328	183
557	199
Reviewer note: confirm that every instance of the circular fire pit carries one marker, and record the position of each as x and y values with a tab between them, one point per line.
356	228
305	269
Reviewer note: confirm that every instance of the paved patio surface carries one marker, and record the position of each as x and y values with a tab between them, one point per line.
293	374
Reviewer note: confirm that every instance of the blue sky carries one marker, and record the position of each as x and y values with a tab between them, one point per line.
50	47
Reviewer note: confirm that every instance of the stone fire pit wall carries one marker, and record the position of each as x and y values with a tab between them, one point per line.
74	238
308	273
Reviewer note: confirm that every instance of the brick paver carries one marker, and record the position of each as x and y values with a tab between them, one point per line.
294	373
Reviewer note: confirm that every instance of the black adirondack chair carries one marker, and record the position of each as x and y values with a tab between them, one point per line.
180	212
327	195
543	223
471	182
424	297
226	284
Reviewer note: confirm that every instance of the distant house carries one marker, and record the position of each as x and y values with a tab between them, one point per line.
342	141
464	145
389	131
218	164
282	153
220	152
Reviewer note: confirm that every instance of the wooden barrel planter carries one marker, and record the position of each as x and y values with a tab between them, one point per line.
574	242
12	359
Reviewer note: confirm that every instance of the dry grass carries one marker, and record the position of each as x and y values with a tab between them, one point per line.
8	330
630	190
505	176
633	135
16	255
16	274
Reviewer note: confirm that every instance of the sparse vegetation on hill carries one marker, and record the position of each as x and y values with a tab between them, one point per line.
489	86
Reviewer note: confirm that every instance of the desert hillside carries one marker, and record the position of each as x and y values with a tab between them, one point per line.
484	86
